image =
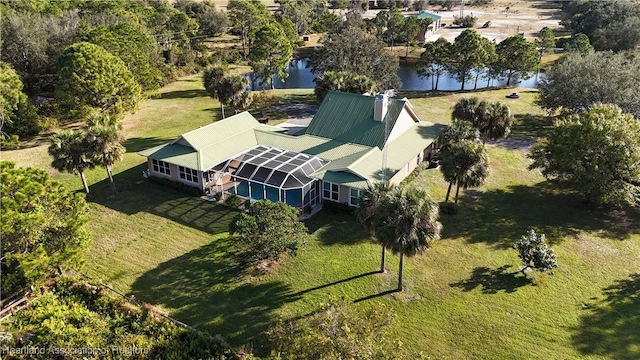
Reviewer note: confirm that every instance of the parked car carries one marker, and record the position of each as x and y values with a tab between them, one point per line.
513	96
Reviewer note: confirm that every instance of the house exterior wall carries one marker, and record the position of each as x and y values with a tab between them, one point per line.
182	141
175	175
408	168
404	123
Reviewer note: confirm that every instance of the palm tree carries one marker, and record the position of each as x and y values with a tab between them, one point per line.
493	120
103	134
464	163
70	151
459	130
406	222
368	207
212	79
498	121
471	110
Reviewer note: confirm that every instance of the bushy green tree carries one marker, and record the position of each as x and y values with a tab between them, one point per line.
534	253
268	230
579	43
245	16
578	81
43	227
345	81
137	50
17	115
596	152
433	61
406	222
467	52
32	43
610	25
464	163
351	49
270	52
517	58
92	77
546	39
211	21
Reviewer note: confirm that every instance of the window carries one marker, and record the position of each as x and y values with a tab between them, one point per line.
418	160
354	197
162	167
331	191
406	169
188	174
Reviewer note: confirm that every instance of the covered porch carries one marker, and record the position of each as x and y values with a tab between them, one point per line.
265	172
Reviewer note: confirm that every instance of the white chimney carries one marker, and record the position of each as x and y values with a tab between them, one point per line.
380	107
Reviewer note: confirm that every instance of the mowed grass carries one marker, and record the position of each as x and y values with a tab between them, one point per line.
464	298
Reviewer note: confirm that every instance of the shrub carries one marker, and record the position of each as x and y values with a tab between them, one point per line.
534	253
466	21
217	196
233	201
338	207
10	143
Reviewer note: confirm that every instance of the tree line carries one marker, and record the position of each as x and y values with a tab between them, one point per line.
472	57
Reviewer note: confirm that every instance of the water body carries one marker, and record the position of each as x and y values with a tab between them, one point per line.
300	77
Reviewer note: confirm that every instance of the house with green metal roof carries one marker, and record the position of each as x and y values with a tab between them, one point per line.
424	34
352	142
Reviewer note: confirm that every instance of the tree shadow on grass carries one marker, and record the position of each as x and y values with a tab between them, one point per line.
137	195
500	217
184	94
137	144
611	327
302	292
205	289
493	281
336	227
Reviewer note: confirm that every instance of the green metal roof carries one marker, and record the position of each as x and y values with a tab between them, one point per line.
400	151
344	178
174	153
211	144
324	148
349	118
353	141
218	131
427	15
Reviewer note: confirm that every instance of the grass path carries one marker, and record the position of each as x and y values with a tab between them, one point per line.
465	298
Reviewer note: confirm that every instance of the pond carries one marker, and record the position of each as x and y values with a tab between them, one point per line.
300	77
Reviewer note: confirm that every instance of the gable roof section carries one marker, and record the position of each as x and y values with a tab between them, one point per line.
427	15
220	130
349	118
173	153
400	151
210	144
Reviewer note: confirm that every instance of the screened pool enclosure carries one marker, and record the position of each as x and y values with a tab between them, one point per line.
265	172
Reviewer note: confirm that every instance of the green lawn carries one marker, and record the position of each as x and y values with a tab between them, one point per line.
464	298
